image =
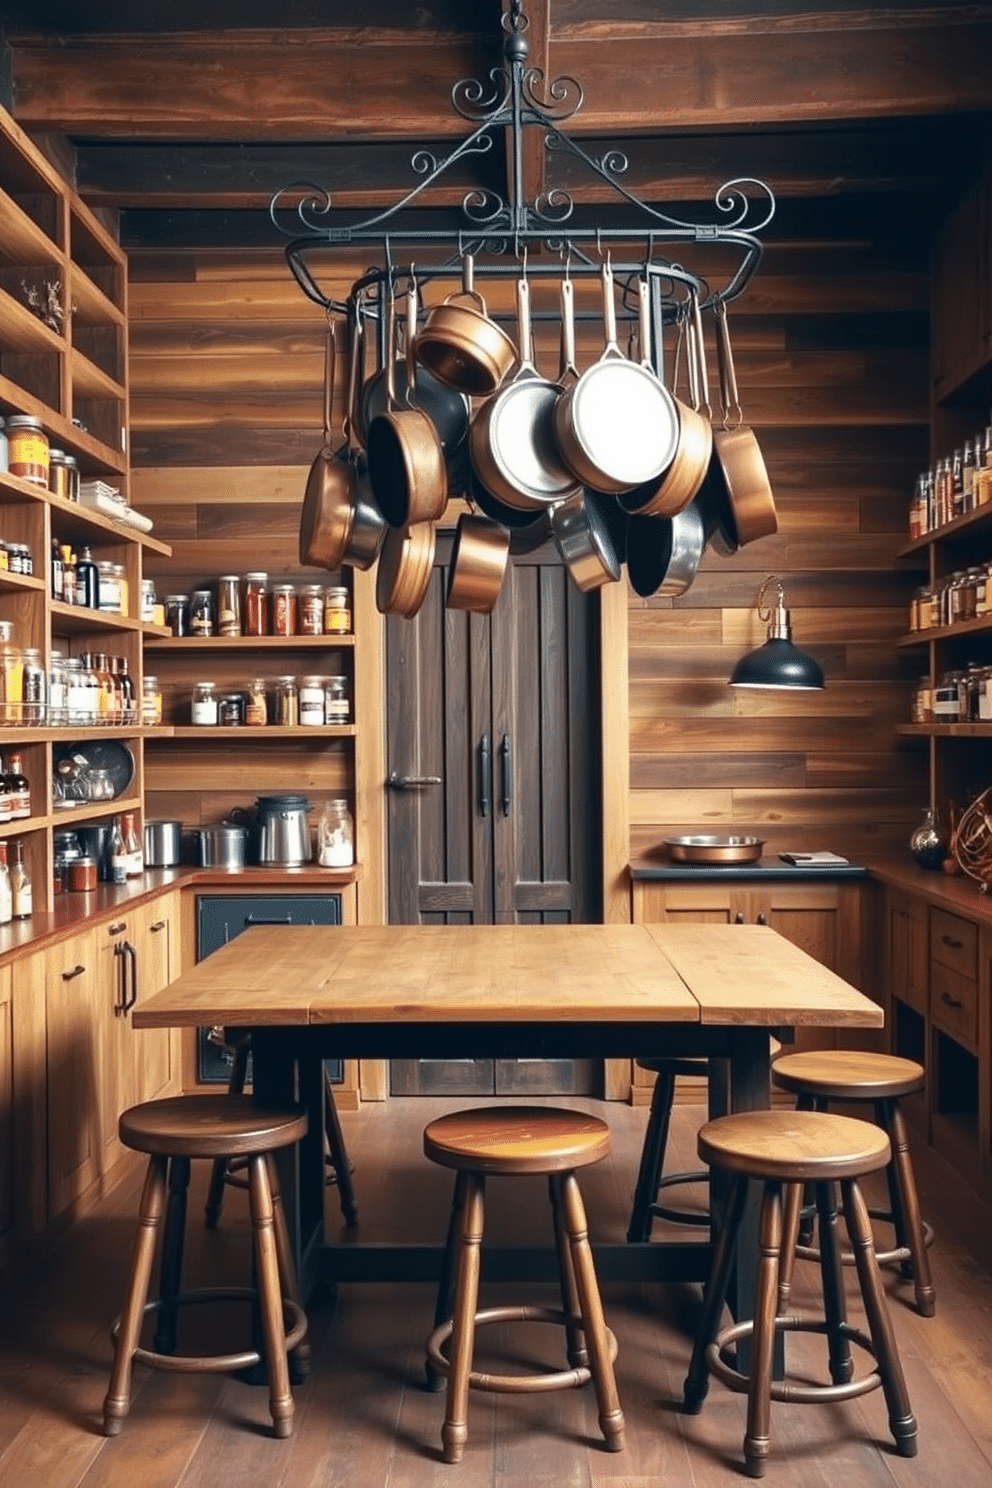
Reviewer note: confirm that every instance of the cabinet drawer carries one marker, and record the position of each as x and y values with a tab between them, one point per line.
954	942
954	1004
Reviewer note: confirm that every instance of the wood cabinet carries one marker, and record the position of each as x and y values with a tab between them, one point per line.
961	319
67	978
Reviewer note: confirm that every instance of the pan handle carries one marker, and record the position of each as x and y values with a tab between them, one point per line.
732	415
485	775
504	750
328	377
396	781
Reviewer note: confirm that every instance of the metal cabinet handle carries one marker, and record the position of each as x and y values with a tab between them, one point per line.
120	999
396	781
67	976
116	929
131	962
955	945
485	775
950	1001
504	750
158	925
762	919
251	920
739	917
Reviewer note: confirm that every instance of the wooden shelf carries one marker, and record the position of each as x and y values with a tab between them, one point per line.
946	730
170	642
947	632
254	733
980	517
81	620
22	240
90	381
21	329
90	306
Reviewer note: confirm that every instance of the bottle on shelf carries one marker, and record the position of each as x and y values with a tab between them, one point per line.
151	701
87	580
17	786
34	687
335	835
70	587
125	684
56	570
118	852
12	669
22	897
6	892
133	850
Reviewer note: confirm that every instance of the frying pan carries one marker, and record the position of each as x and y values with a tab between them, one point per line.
582	537
327	514
528	530
404	573
368	526
478	563
461	345
406	460
737	453
684	476
664	553
616	427
512	441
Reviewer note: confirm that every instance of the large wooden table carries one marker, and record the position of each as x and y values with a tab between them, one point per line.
549	991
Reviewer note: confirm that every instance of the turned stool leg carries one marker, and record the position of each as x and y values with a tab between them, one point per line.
652	1156
757	1438
611	1421
454	1432
235	1086
170	1275
289	1286
902	1422
118	1398
575	1343
714	1295
338	1155
269	1295
905	1205
446	1281
832	1281
792	1203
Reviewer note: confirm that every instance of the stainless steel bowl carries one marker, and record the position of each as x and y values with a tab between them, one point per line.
714	849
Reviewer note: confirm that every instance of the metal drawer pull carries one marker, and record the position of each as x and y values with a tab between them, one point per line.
158	925
955	945
762	920
251	920
485	775
67	976
396	781
116	929
950	1001
739	917
504	750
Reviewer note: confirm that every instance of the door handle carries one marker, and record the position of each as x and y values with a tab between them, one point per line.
504	750
251	920
762	919
739	917
396	781
485	772
130	960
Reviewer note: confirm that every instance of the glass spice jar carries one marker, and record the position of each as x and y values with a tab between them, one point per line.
256	705
229	605
283	610
258	621
151	701
231	709
177	613
201	613
311	608
337	611
312	702
336	705
287	702
335	836
204	709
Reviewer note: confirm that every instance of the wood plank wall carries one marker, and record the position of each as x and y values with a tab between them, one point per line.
831	341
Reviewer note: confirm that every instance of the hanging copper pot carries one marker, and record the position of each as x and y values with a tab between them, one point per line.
404	572
478	564
461	345
328	501
738	466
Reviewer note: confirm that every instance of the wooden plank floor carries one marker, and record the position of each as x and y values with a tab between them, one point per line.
363	1419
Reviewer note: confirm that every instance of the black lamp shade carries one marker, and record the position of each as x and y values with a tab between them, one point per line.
778	663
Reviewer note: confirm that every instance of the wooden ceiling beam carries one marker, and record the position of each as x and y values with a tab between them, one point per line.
323	85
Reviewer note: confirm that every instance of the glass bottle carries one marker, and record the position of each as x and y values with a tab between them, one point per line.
151	702
75	691
229	605
337	611
18	787
335	836
287	702
56	570
968	466
69	585
34	686
258	620
133	849
312	702
125	683
123	589
22	898
201	613
336	705
928	844
256	705
12	664
118	852
58	713
283	610
311	609
87	580
109	588
6	893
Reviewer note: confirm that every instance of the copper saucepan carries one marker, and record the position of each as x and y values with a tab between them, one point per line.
406	458
478	564
328	501
404	572
368	526
737	453
461	345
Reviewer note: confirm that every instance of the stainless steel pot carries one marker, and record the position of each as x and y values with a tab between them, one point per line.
284	832
222	846
163	843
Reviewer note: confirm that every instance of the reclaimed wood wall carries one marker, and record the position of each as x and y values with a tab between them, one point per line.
831	342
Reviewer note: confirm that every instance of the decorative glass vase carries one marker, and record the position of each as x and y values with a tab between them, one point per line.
929	842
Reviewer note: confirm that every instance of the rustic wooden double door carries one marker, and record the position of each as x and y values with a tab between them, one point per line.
494	782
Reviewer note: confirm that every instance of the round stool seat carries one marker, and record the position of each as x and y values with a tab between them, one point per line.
209	1126
517	1140
794	1146
848	1074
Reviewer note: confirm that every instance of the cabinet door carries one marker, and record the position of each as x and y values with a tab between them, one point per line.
960	311
8	1204
153	1052
73	1069
908	950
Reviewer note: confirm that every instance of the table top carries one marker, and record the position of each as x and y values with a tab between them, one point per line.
296	975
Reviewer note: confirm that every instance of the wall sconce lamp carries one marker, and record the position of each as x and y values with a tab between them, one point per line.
778	663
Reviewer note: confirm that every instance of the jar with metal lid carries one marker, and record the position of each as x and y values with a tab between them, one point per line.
335	836
946	701
4	447
151	701
149	600
287	702
177	613
337	708
27	454
201	613
81	875
258	619
63	474
311	607
312	701
337	611
58	706
34	687
972	577
229	605
204	707
19	559
283	610
985	696
231	709
256	705
110	589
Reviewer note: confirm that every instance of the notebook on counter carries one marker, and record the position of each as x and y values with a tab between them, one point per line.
814	859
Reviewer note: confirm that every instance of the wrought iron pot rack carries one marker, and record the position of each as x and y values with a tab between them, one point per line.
502	232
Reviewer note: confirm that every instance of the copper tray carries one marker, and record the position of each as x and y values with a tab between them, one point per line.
714	849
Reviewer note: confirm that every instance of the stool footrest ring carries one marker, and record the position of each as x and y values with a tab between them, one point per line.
214	1363
784	1389
900	1253
680	1216
509	1384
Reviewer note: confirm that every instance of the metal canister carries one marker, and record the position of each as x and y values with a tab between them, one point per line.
231	709
27	454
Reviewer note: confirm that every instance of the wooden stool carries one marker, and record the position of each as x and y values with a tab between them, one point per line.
510	1141
790	1148
173	1131
821	1076
237	1043
650	1181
